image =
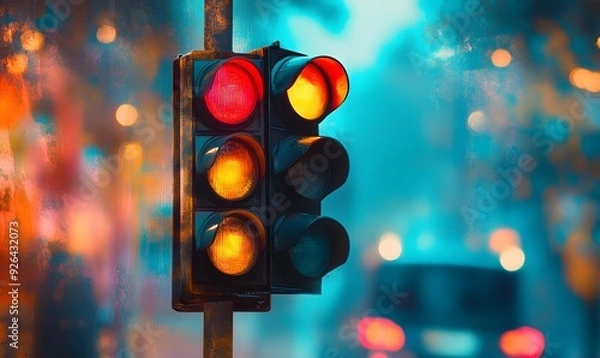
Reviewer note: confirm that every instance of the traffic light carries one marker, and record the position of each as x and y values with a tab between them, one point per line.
221	246
304	167
250	172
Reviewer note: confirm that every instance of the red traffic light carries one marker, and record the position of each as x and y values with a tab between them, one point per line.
230	90
310	87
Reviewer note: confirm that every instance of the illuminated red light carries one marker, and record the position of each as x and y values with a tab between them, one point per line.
380	334
525	342
234	92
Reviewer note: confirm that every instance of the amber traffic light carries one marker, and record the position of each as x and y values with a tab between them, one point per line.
305	167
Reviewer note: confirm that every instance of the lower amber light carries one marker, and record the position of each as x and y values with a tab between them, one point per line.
234	173
235	247
309	95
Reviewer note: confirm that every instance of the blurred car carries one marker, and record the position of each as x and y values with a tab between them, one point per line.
442	311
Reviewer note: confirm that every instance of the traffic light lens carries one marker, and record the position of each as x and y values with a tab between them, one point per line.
312	253
318	186
309	95
233	94
235	248
235	171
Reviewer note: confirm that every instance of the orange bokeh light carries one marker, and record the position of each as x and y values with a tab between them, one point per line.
501	58
380	334
503	238
578	77
106	33
525	342
32	40
126	115
17	63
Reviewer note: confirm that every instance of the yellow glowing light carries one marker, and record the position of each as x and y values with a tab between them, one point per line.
476	121
592	82
598	42
106	34
578	77
390	246
17	63
126	115
234	249
512	259
234	173
309	95
501	58
502	239
32	40
132	151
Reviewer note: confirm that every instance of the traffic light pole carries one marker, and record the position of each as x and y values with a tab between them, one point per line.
218	33
218	329
218	316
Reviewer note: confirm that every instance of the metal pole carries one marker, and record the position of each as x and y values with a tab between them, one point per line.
218	329
218	33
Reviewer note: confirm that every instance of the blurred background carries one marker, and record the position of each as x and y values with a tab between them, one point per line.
473	128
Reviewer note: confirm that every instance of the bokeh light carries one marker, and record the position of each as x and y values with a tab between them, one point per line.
132	151
380	334
476	121
106	33
578	77
17	63
525	342
126	115
390	246
32	40
512	258
502	239
501	58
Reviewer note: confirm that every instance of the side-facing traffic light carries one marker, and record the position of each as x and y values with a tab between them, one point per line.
221	244
304	167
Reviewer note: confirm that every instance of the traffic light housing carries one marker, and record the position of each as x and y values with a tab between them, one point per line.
250	172
304	167
220	243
